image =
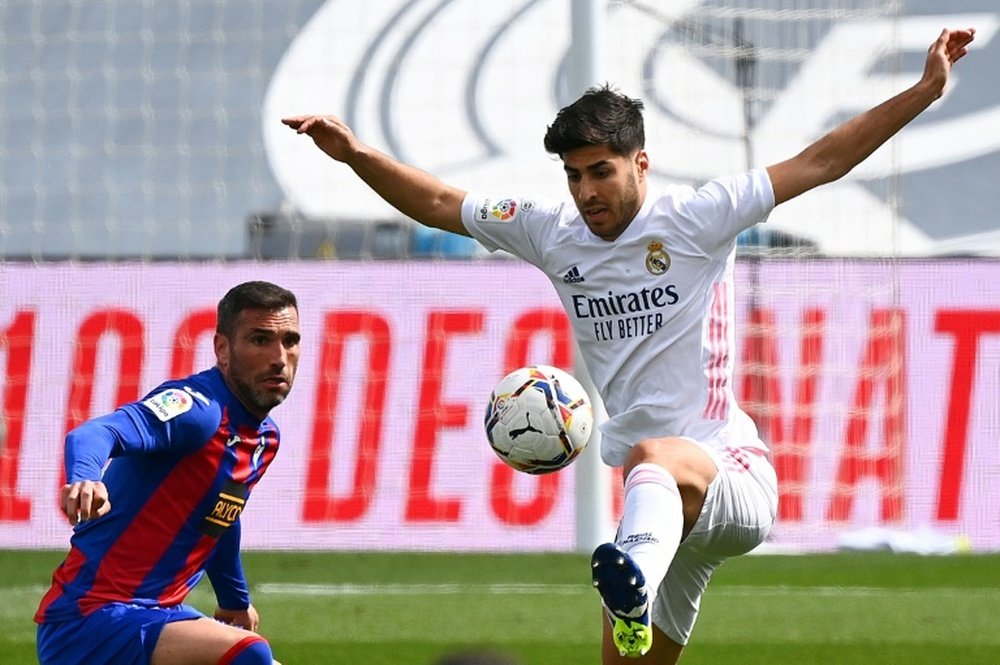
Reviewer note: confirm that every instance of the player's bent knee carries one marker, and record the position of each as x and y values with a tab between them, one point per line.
685	460
251	650
656	449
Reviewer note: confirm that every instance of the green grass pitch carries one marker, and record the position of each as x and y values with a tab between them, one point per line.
381	608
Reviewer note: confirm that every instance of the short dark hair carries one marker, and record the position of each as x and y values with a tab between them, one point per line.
250	295
601	116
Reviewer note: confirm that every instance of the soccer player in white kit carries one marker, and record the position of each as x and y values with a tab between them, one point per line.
646	279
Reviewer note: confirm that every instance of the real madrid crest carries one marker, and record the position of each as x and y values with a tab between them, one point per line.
657	260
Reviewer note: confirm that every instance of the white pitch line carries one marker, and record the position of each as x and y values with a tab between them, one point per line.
418	589
852	591
572	589
452	589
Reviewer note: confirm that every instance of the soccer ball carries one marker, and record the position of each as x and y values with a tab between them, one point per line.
538	419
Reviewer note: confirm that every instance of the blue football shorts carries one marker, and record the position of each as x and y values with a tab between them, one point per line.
118	633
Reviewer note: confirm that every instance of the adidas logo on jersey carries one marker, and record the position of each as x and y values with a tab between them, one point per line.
573	276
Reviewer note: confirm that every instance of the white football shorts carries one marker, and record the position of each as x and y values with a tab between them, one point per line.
740	508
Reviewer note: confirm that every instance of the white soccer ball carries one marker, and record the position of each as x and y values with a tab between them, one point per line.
539	419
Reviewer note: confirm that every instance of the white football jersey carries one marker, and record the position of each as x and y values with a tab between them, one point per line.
652	311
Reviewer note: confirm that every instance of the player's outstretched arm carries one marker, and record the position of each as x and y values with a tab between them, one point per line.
86	451
415	193
836	153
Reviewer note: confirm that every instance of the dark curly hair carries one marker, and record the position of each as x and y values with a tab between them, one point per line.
601	116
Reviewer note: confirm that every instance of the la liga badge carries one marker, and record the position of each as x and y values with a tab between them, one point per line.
168	404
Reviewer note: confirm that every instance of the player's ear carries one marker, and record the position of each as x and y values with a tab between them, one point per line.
221	344
642	162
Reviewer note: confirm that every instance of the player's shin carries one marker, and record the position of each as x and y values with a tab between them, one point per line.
652	522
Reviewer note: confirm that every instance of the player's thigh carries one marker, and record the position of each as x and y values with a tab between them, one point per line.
663	652
739	508
196	642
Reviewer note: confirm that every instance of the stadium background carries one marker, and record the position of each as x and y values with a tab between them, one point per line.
144	171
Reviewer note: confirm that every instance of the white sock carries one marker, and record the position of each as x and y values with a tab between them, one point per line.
652	522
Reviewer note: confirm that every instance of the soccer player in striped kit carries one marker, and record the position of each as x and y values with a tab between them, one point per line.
180	465
646	279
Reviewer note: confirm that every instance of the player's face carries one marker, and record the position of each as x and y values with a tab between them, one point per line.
260	359
608	188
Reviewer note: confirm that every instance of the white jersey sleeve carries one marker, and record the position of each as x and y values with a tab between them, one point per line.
520	226
723	208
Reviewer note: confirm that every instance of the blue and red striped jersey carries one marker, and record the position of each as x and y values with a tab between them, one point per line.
179	465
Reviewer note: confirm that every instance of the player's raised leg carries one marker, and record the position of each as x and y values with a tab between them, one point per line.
666	480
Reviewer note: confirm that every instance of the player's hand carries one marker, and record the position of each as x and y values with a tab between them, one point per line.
84	500
949	48
246	619
328	132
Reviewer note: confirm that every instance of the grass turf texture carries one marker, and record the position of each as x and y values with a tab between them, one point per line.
379	608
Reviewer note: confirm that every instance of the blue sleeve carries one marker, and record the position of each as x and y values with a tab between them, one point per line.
168	420
174	418
225	571
92	444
